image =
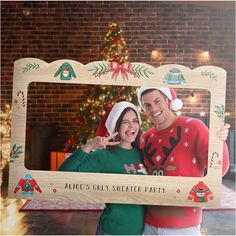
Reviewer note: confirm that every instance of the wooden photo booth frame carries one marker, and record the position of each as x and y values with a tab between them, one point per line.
114	188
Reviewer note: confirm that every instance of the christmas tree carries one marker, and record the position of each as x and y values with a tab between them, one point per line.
114	48
103	96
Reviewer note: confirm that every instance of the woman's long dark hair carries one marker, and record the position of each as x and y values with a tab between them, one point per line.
136	142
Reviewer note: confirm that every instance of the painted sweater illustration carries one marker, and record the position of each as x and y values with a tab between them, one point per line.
27	184
116	218
179	150
200	193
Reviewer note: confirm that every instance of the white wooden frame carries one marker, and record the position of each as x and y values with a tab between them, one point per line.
94	188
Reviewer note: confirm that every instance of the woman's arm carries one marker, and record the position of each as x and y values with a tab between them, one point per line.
99	143
84	160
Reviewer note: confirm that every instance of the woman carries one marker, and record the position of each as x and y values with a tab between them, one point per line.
123	122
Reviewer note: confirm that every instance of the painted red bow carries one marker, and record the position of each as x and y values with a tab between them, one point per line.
117	68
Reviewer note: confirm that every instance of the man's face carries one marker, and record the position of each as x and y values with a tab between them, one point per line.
156	107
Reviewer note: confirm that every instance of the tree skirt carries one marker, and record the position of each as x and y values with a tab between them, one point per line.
227	203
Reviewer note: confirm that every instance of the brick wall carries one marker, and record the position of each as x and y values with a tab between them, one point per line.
75	30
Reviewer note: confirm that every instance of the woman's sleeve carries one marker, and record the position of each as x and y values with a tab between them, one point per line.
81	161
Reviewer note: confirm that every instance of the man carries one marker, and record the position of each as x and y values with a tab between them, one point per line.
174	146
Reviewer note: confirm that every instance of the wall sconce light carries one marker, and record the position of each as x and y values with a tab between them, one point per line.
204	57
193	97
26	10
227	114
156	55
202	113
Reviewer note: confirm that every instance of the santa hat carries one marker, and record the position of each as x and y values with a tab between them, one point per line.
175	103
101	130
108	122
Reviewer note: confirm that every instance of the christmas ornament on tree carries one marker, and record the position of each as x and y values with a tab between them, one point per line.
69	145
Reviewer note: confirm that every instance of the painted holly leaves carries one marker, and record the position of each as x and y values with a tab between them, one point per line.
15	152
124	70
30	66
209	74
220	112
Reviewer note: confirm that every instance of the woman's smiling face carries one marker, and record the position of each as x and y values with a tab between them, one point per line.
129	129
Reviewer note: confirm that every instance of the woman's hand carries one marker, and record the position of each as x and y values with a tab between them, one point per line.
223	132
100	143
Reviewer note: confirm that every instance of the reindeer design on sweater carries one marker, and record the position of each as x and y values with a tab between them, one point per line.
150	152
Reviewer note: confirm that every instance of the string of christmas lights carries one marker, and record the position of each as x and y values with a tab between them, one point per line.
5	129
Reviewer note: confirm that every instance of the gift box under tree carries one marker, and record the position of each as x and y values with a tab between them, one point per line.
57	158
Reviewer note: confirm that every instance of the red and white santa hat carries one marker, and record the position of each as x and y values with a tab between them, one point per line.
109	120
175	103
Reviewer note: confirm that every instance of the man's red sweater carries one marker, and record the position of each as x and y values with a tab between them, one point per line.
179	150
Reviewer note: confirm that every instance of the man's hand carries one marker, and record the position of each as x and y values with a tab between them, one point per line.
223	132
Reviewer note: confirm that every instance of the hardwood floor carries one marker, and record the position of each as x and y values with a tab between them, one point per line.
14	222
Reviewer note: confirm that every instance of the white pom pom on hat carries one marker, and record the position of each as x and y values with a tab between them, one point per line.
115	113
175	103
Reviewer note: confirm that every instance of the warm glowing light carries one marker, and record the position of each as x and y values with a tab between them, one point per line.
204	57
156	54
193	97
14	216
26	12
202	113
5	130
227	114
